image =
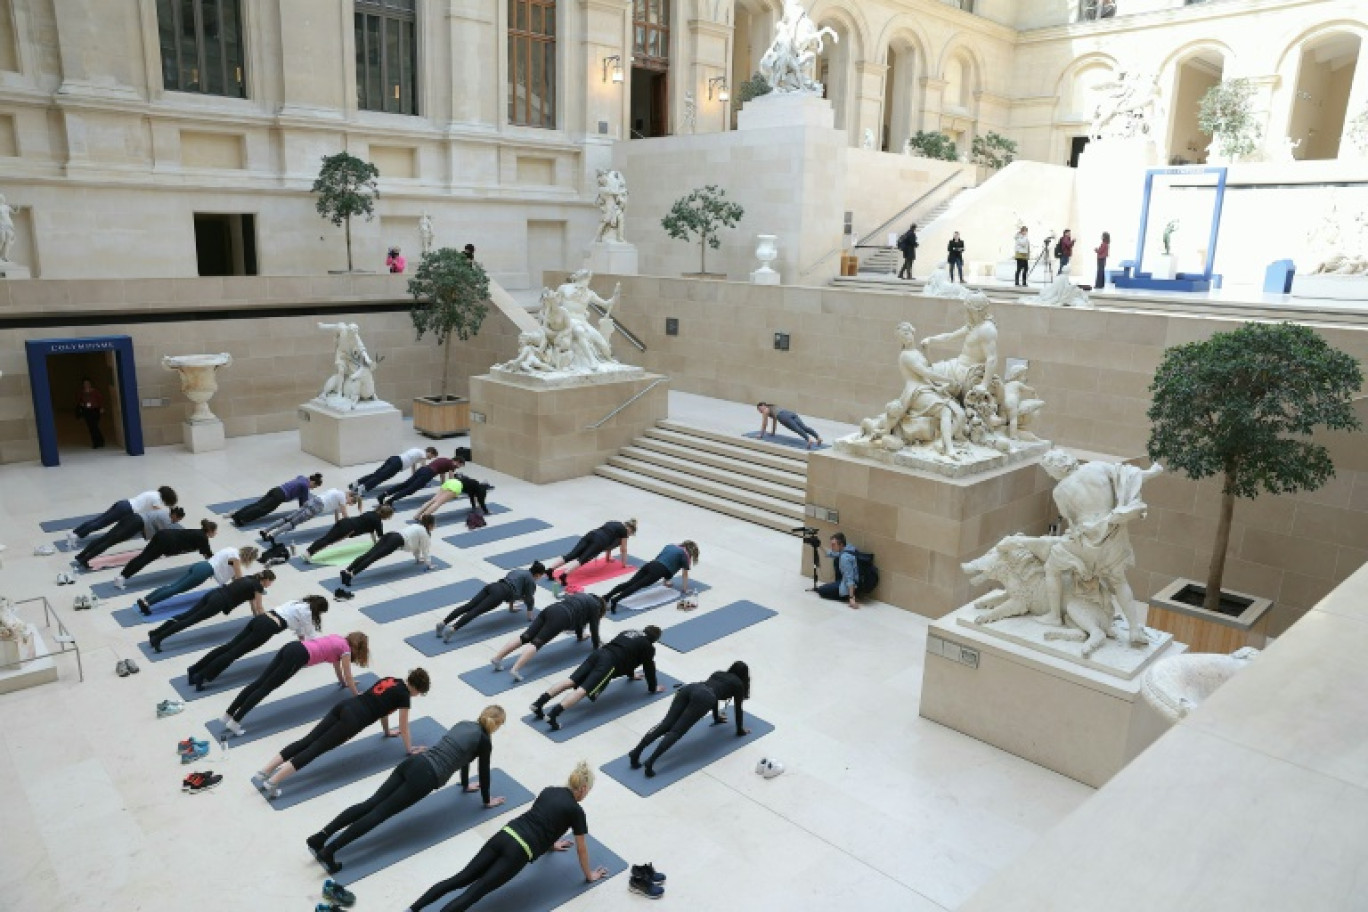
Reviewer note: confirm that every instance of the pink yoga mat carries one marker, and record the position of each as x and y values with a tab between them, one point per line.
117	559
596	571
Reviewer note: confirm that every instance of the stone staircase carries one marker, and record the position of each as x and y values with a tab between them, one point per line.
886	260
763	483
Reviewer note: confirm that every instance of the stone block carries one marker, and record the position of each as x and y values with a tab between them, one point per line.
349	438
202	437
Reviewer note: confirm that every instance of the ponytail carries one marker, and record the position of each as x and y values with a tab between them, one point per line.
581	778
318	606
631	525
177	514
168	496
492	718
208	526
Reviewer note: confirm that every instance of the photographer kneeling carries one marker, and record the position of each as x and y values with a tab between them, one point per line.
847	572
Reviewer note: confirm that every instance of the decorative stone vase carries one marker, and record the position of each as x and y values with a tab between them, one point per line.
766	251
199	381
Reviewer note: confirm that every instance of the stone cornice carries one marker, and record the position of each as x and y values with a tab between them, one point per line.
1202	12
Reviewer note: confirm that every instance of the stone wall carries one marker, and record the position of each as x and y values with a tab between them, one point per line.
279	361
1093	367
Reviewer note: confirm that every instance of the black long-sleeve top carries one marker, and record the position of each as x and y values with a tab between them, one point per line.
727	686
183	541
630	649
585	608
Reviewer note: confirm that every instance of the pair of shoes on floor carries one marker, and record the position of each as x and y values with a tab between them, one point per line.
169	708
647	881
343	595
126	667
334	891
85	602
71	540
196	750
195	783
65	579
44	551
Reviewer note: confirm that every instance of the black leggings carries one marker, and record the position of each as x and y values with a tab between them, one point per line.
388	469
343	528
291	657
263	507
1023	268
651	573
589	547
691	703
415	483
254	633
109	517
412	781
548	625
387	545
343	722
498	862
151	551
486	600
202	611
126	528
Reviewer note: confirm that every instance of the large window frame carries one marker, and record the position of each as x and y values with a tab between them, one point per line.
1092	10
387	60
651	34
532	33
202	47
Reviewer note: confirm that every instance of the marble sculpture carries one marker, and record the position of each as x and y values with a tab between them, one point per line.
939	285
425	233
868	141
1176	685
1131	106
1345	239
567	342
1061	293
790	64
352	381
7	232
612	203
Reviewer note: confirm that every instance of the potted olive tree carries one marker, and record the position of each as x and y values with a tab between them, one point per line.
449	290
703	213
1242	406
1226	114
346	186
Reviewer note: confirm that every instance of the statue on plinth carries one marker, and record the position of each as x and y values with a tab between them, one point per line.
16	635
924	413
1131	106
612	203
978	355
1343	242
1061	293
425	233
353	380
7	233
869	141
940	285
567	341
199	381
690	119
790	64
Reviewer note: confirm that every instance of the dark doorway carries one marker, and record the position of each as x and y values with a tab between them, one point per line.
65	373
650	104
55	370
1076	146
225	244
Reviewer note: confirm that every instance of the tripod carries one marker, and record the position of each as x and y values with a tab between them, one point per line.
812	541
1043	259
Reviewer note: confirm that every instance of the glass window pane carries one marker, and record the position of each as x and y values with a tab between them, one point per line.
664	12
375	88
550	94
166	33
639	41
521	23
410	68
393	76
551	19
213	47
189	49
231	22
359	21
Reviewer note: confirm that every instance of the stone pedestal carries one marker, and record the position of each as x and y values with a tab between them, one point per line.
30	674
202	436
613	258
791	109
922	526
540	431
367	434
1080	721
1331	287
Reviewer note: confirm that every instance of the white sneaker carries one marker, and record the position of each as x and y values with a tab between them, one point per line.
120	582
232	726
71	540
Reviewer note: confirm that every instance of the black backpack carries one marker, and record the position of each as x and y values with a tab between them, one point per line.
868	579
1059	250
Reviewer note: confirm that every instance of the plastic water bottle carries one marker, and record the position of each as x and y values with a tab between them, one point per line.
223	744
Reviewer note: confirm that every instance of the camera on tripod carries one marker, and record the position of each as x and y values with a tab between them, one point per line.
813	540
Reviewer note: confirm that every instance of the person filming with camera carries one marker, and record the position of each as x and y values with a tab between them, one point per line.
843	556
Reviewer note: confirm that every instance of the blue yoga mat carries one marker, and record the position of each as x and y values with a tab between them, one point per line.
496	533
714	625
241	673
145	581
197	639
787	440
423	602
365	755
703	744
161	612
62	525
617	700
654	597
435	819
229	507
550	883
561	654
401	567
499	622
523	557
273	716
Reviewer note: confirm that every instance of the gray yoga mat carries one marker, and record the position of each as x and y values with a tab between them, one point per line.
500	622
365	755
561	654
422	602
617	700
198	638
523	557
229	507
273	716
241	673
62	525
496	533
714	625
787	440
161	612
145	581
656	596
433	820
550	883
397	566
701	745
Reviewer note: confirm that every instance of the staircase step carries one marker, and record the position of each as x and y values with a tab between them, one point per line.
782	522
787	506
795	477
793	490
775	455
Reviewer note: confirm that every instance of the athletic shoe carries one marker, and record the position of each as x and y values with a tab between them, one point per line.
441	629
648	872
120	583
553	715
347	577
154	642
121	669
327	907
231	725
81	603
200	751
645	887
144	607
517	675
194	777
272	792
65	579
131	665
449	634
71	541
169	708
634	759
343	595
81	565
536	709
338	893
497	663
194	744
259	782
204	783
44	551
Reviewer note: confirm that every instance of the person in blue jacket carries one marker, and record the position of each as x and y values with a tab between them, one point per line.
847	572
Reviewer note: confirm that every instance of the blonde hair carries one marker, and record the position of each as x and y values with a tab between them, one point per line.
691	549
491	718
248	554
631	525
581	777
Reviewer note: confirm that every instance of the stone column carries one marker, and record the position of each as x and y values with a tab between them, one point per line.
870	80
203	430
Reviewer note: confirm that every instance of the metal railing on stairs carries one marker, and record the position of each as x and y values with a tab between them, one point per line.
626	333
608	417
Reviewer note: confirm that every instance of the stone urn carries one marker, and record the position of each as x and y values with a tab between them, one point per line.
199	381
766	250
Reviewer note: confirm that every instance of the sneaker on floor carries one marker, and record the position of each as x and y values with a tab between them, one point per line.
131	665
70	541
80	603
343	595
205	782
190	745
183	746
645	888
121	583
648	872
199	752
121	669
169	708
327	907
338	893
441	629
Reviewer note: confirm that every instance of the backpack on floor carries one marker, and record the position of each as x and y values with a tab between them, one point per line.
869	574
475	519
275	555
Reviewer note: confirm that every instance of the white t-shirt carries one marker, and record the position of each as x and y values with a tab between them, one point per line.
410	458
219	563
416	541
298	618
147	500
332	500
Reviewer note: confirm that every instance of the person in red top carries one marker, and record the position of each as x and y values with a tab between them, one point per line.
1064	249
1102	250
89	407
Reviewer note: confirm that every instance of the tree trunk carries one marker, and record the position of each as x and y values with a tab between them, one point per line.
703	254
446	366
1216	571
349	258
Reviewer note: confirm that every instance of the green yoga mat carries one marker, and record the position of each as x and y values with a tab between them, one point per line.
338	555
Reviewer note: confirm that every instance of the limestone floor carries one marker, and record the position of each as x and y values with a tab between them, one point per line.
879	809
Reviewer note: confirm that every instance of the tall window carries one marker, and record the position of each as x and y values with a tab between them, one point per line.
532	63
651	34
1097	9
201	46
387	56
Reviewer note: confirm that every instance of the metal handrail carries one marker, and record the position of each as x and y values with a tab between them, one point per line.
63	637
653	384
627	333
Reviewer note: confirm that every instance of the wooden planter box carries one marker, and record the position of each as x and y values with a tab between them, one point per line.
437	418
1244	623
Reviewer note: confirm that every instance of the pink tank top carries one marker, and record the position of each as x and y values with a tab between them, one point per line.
327	648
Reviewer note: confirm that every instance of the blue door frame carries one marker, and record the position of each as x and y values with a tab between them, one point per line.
38	351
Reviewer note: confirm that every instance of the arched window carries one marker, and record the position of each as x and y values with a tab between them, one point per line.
532	63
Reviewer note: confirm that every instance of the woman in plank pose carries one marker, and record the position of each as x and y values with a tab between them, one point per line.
590	546
691	703
304	618
409	459
518	585
296	489
223	567
672	559
332	501
573	612
371	522
147	523
772	416
250	588
440	467
341	652
415	538
140	503
168	543
619	658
